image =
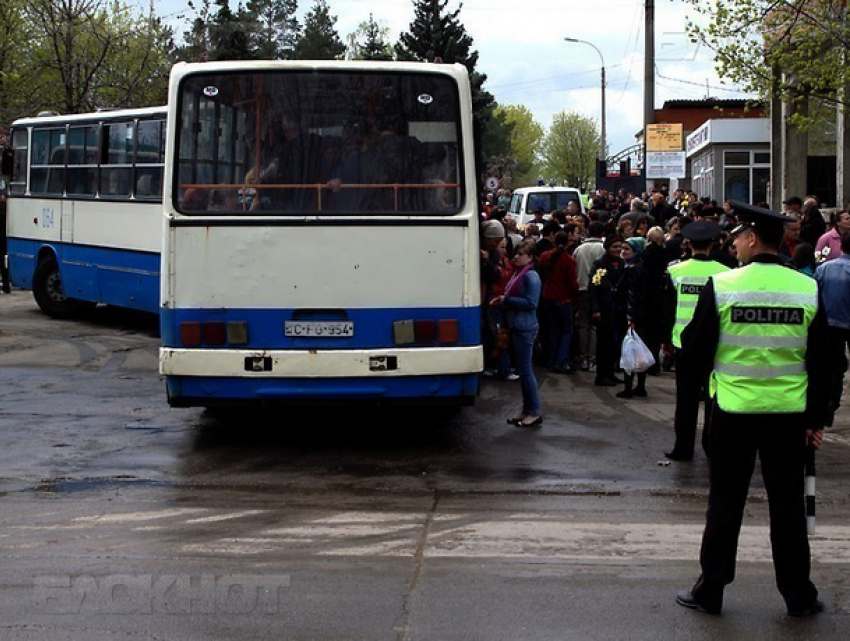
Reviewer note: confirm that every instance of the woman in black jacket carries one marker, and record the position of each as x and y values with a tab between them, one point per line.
645	283
608	310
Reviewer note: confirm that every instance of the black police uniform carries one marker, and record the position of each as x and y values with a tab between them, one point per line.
779	441
691	389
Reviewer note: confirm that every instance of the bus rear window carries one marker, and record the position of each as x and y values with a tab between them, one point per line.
297	142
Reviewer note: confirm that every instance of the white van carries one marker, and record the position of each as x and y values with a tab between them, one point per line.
526	199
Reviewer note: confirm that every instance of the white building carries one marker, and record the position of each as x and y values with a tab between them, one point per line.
729	158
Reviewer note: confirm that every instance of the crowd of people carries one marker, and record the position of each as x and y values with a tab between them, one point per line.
751	306
607	270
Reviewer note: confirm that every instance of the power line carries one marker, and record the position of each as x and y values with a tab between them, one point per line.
697	84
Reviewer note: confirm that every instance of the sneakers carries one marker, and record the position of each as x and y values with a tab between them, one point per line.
587	364
491	373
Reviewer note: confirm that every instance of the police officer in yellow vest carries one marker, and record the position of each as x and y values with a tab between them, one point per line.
761	333
687	279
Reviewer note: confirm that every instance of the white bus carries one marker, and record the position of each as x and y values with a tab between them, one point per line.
85	209
320	234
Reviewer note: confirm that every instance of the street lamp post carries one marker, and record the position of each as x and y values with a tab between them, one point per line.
603	149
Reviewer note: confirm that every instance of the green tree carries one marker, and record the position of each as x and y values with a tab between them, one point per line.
569	150
805	40
229	34
437	34
495	144
88	54
275	28
526	139
137	72
369	42
319	40
13	45
197	39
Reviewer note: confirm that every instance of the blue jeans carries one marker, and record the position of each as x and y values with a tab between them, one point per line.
523	343
560	319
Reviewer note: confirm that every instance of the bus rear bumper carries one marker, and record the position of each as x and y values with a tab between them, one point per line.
208	378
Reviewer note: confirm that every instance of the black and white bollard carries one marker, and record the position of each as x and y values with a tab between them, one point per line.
810	488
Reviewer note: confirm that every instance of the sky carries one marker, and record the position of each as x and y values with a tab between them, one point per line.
527	62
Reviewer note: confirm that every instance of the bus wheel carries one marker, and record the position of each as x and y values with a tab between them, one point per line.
48	292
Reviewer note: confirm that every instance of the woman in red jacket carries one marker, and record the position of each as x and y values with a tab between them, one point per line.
560	292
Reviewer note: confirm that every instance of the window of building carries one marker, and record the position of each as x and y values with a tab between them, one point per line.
746	175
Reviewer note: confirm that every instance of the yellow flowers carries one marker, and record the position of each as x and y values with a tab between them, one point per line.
598	276
820	256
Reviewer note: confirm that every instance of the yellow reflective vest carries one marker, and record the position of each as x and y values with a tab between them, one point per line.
688	278
765	311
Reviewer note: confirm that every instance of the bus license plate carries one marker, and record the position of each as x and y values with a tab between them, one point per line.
315	329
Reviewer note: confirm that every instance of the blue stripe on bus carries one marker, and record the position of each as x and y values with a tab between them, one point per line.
205	391
373	328
119	277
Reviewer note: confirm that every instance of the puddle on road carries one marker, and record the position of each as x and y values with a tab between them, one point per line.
67	486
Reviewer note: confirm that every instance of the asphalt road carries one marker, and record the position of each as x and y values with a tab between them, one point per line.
123	518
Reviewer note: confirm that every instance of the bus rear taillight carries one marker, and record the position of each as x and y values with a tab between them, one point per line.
214	333
426	331
445	331
190	334
194	334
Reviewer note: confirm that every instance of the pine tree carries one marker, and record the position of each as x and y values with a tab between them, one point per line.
374	46
275	27
319	40
437	35
229	38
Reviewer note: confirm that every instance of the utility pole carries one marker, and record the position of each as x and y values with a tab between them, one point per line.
842	142
648	73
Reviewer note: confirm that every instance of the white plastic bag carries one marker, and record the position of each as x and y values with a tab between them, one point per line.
635	355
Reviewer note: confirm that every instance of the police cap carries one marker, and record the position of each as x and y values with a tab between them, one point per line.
750	216
701	231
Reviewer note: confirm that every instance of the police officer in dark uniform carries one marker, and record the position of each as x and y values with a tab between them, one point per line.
760	332
686	280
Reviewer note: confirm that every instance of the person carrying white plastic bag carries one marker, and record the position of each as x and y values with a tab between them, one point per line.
635	358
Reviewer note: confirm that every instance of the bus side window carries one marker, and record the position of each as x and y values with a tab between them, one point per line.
116	173
114	181
82	181
144	185
48	167
18	185
149	182
82	160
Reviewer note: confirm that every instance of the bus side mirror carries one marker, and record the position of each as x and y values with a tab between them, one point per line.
6	163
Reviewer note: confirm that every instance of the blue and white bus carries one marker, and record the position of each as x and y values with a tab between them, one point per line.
85	209
320	234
